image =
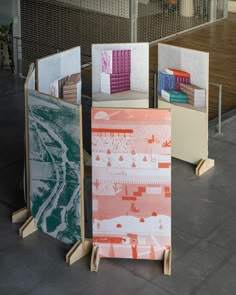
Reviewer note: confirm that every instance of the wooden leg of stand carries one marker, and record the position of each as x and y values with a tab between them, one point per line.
28	228
95	259
204	166
167	262
20	215
87	159
78	251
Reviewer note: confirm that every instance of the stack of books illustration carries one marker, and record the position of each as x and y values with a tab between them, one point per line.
174	86
72	88
166	82
174	96
67	88
56	87
116	67
196	95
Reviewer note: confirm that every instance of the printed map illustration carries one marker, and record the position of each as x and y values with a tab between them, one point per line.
131	177
54	160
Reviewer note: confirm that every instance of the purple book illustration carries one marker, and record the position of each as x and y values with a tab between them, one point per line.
116	67
116	61
112	83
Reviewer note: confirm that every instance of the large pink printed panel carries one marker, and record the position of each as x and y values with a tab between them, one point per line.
131	175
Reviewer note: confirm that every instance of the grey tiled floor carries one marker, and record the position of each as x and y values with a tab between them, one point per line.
203	227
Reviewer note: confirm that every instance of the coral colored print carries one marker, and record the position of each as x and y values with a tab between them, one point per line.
131	163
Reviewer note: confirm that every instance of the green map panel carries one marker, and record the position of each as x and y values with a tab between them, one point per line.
54	157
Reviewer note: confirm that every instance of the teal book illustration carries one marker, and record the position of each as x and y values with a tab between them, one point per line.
174	96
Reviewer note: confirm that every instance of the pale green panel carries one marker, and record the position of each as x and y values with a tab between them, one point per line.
54	156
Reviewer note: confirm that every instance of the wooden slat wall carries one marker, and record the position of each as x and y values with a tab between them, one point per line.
219	39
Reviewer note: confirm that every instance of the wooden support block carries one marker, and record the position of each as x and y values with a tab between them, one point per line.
167	262
28	227
78	251
204	166
95	259
19	215
87	158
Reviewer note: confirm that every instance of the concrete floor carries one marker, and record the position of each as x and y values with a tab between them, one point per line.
203	227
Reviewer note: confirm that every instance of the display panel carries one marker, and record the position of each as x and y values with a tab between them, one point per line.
189	118
131	177
55	166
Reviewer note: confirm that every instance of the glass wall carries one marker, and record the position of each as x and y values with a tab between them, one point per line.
161	18
49	26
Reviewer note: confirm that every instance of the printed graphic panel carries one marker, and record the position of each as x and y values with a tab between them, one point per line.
120	75
54	156
131	177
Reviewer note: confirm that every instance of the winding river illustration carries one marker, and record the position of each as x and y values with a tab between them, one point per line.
54	157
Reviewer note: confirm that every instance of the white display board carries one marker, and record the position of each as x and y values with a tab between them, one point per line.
138	95
189	124
30	79
57	66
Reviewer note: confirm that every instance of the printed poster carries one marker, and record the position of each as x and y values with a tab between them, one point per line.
54	162
131	182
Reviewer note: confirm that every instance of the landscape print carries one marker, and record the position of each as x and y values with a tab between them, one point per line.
54	160
131	177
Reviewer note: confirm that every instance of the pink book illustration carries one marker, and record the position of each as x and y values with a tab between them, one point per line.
107	64
131	176
116	61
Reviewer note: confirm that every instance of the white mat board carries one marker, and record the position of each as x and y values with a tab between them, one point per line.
56	66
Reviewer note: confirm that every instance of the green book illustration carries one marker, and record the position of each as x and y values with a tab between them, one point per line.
174	96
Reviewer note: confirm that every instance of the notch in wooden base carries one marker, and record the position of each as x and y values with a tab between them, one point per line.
204	166
167	261
20	215
95	259
28	227
79	250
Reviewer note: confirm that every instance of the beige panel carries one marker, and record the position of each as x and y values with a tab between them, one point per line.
189	132
189	124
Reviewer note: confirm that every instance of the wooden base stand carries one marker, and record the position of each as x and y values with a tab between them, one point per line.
87	159
204	166
20	215
167	262
95	259
28	228
79	250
